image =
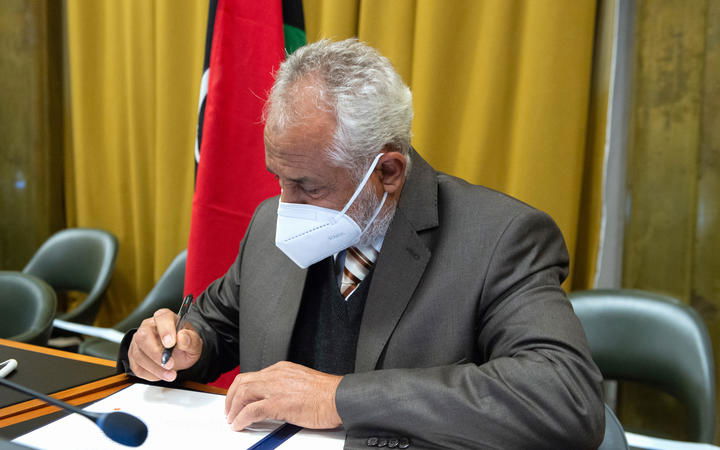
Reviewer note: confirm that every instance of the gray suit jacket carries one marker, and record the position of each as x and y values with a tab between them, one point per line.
467	339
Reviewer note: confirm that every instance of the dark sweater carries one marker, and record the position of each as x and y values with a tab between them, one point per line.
327	326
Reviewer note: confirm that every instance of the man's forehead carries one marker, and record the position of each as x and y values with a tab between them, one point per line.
291	156
296	161
298	144
317	129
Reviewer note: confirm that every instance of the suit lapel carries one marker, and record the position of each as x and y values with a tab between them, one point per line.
279	328
400	265
397	273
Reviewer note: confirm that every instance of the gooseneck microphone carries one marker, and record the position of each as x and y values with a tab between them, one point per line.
121	427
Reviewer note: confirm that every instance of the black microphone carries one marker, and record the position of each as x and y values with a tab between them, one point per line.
121	427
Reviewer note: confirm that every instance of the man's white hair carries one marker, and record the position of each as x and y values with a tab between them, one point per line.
371	103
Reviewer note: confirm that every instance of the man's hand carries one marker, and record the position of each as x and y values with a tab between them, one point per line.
284	391
155	335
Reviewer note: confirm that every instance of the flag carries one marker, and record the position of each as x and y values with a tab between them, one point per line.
293	25
244	46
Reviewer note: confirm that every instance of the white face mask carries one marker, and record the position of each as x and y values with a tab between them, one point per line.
308	234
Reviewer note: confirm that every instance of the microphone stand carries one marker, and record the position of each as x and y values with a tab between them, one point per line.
118	426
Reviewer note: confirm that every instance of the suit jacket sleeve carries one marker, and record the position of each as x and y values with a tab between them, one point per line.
538	388
214	315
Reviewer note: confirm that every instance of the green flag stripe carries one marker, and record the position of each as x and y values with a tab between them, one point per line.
294	38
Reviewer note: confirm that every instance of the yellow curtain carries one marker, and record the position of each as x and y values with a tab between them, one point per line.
134	69
502	96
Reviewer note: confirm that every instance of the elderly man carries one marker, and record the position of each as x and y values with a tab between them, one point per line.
380	295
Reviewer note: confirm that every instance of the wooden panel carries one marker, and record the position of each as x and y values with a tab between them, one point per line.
706	268
663	153
31	162
204	387
55	352
673	196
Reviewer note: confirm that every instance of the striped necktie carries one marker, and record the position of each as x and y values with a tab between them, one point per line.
358	262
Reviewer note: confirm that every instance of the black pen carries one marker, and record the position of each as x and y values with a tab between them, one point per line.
184	307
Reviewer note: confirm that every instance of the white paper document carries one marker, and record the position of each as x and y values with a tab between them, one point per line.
176	419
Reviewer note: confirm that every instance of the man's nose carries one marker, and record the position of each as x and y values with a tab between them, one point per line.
287	197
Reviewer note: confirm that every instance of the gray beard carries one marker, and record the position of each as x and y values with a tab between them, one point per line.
363	209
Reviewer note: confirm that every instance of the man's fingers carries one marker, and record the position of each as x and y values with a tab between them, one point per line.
165	325
241	399
152	365
147	364
142	373
147	338
240	381
189	341
187	350
146	348
242	395
231	393
253	412
284	391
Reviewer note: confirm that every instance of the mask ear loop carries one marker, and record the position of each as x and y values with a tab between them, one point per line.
362	185
377	211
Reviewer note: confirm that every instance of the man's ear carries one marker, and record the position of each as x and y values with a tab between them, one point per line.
392	168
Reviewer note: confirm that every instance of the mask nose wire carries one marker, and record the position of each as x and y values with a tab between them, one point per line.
362	185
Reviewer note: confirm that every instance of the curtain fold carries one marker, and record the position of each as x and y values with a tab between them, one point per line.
501	93
134	73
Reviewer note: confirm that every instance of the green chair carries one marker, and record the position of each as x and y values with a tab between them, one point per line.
167	293
655	339
27	308
77	259
614	434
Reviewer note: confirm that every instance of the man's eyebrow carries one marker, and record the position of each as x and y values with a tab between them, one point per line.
300	180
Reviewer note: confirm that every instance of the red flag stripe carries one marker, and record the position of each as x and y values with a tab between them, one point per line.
247	48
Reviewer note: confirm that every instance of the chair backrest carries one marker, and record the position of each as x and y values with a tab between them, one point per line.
27	308
655	339
614	434
79	259
167	293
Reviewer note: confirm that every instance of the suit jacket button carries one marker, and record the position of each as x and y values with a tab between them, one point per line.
392	443
372	441
404	443
382	442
